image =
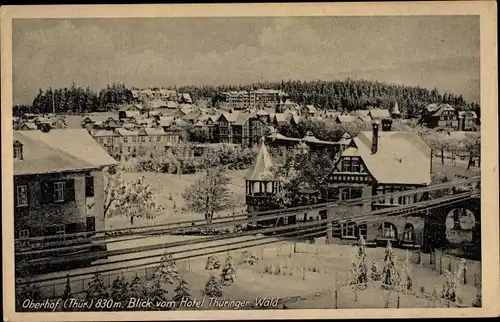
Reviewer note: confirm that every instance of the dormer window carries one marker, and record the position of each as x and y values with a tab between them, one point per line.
18	150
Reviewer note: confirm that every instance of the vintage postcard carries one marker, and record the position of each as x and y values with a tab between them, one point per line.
250	161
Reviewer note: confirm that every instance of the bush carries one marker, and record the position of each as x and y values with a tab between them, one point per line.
212	263
249	258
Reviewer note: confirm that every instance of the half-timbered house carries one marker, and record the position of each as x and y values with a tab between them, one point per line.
377	162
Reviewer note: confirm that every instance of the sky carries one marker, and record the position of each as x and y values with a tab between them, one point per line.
430	51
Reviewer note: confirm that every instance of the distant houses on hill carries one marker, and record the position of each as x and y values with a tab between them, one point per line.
152	127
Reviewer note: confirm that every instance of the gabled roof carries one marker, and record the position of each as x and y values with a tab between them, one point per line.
166	121
438	109
471	114
52	152
172	104
191	116
401	157
103	133
242	118
280	117
101	116
262	166
361	113
347	118
29	125
125	132
152	131
231	117
378	113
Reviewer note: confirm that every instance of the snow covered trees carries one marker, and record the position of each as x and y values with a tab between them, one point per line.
359	271
228	272
212	263
167	272
389	273
97	290
212	288
182	291
128	198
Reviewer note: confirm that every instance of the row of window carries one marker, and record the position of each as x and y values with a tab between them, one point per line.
60	229
387	231
344	193
54	191
141	139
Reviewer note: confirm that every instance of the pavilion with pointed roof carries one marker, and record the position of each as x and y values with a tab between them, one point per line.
395	113
260	183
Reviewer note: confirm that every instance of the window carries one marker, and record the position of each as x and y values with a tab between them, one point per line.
22	195
351	193
388	231
333	193
346	166
125	140
108	140
158	139
349	230
128	149
60	229
90	223
18	152
409	233
355	166
24	233
362	230
89	186
58	191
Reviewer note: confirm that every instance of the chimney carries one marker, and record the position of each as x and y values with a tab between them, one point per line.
375	125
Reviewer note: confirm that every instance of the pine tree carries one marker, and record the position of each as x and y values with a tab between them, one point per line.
120	289
97	290
67	293
182	291
212	288
136	288
228	274
406	281
374	272
389	272
359	270
155	291
167	272
67	289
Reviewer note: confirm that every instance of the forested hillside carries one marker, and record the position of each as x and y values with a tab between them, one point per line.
344	95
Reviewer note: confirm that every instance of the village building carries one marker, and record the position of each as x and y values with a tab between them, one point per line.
58	183
377	162
382	115
467	120
442	116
